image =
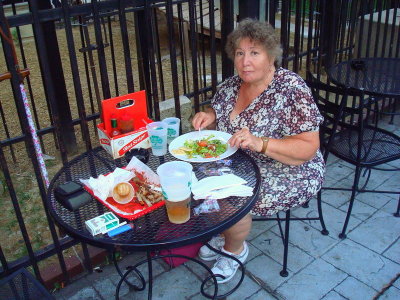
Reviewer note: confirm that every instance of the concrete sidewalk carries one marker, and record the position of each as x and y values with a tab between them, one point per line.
365	265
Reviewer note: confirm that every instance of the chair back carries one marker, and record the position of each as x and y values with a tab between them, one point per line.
346	112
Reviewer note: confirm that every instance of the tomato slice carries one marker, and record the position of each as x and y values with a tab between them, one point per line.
202	143
208	155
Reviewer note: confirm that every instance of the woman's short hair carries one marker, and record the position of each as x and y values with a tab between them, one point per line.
257	31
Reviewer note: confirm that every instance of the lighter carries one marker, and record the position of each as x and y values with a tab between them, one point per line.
120	230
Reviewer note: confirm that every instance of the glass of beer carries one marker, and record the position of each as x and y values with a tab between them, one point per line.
176	179
178	210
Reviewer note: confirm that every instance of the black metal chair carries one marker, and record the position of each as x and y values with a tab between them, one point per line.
22	285
350	132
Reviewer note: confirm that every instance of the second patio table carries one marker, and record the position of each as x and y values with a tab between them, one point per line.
376	76
152	231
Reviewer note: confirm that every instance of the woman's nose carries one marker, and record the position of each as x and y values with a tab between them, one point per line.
246	59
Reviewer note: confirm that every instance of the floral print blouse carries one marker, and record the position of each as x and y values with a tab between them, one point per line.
285	108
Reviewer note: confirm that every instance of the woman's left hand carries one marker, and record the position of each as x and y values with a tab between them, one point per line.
245	140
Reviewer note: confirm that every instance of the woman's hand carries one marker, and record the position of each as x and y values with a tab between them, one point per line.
203	119
245	140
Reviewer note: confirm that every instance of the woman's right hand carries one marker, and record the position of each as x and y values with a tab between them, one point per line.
203	119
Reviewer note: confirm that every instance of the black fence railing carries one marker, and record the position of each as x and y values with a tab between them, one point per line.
67	59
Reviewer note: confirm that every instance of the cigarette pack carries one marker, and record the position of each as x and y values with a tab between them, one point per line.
102	223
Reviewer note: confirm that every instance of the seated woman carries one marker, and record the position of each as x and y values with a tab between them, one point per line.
272	116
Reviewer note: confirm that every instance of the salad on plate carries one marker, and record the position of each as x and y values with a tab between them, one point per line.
206	147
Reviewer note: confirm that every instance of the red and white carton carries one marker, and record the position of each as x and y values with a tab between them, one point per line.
133	104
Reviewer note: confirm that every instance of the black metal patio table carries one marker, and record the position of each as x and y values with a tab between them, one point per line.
376	76
153	231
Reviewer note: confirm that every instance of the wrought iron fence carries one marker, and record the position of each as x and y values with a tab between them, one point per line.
69	57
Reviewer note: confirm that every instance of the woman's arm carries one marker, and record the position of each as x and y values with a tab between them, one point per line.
291	150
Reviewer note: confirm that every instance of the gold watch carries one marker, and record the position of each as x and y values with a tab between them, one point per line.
265	141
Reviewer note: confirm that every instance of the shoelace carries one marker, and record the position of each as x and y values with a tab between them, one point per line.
217	242
224	263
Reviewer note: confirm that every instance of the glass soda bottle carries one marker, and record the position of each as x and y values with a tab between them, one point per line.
114	128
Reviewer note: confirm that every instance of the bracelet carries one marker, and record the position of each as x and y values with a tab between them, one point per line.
265	144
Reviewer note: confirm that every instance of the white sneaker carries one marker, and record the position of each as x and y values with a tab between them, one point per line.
227	267
216	242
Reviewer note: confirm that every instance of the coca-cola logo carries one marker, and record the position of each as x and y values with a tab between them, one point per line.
105	142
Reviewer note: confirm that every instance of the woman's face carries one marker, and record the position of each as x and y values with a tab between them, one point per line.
252	62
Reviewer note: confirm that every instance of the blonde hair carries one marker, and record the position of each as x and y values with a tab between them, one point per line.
259	32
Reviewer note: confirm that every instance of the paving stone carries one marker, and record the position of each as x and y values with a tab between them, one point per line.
332	295
259	227
393	252
392	184
271	244
78	287
105	287
87	293
335	198
353	289
391	206
373	199
247	287
330	181
333	218
339	170
267	270
332	159
177	283
362	263
397	283
346	182
360	210
309	239
313	282
376	179
391	294
253	251
262	295
378	232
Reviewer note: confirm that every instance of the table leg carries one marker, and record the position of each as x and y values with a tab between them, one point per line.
211	278
138	274
150	268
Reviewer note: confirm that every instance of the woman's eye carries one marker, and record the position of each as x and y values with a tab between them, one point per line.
254	53
239	53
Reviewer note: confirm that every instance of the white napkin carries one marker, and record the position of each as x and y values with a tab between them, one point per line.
219	187
102	186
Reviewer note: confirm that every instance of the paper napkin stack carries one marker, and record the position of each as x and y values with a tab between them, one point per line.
218	187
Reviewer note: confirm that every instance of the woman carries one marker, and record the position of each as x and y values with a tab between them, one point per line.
271	115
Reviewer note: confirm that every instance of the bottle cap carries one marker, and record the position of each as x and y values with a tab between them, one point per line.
114	123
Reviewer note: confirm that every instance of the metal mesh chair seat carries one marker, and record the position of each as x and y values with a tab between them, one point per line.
378	147
22	285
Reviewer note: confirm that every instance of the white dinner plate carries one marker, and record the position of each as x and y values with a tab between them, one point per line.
196	135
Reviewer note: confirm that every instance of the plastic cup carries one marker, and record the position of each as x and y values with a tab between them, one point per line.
176	179
158	137
172	128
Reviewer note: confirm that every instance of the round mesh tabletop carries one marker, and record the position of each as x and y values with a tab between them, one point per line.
152	231
376	76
